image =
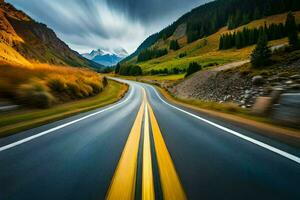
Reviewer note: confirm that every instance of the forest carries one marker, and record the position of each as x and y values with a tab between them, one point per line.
247	37
149	54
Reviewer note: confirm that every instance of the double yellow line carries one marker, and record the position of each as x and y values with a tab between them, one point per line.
123	184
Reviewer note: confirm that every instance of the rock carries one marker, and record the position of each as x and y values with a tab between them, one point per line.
247	96
262	106
247	91
275	95
273	79
295	86
227	97
283	79
288	110
258	80
296	76
289	82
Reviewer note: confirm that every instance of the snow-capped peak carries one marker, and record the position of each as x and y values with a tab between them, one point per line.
105	56
119	52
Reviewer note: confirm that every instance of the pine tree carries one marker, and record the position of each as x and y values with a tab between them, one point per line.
193	67
256	14
261	54
291	28
230	23
221	46
174	45
117	69
238	40
246	19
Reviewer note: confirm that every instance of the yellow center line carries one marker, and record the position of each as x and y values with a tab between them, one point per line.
147	182
170	182
123	183
124	180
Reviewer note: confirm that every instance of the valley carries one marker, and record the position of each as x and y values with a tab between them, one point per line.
166	100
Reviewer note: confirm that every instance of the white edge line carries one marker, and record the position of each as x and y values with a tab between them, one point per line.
261	144
6	147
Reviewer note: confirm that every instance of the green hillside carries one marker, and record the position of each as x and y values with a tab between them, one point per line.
199	43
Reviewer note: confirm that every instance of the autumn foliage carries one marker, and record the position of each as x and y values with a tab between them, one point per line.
43	85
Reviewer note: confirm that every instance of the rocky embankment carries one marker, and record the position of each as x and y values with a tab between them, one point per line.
229	84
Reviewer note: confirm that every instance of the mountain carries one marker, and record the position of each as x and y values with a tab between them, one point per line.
208	19
25	41
106	57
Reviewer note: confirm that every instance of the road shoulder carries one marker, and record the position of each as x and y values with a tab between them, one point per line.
288	136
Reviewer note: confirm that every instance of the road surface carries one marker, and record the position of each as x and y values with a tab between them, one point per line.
146	148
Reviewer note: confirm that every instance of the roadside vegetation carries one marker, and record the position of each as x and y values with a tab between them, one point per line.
19	120
42	85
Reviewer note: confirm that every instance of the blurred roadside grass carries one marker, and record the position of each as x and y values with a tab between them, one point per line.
19	120
43	85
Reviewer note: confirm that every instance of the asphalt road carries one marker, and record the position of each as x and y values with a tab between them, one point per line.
197	157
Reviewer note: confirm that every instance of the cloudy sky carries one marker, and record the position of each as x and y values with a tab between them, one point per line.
90	24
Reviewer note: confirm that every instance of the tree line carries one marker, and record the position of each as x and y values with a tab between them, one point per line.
128	70
247	37
149	54
261	55
208	19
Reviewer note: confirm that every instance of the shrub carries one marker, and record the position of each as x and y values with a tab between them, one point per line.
74	90
193	67
104	81
35	94
28	85
181	55
96	87
42	99
174	45
57	84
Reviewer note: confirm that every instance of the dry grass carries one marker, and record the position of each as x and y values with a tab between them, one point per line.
19	120
42	85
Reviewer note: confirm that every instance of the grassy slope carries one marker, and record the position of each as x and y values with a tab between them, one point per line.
21	120
58	83
206	50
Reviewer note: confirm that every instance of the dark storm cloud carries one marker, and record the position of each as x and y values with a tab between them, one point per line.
90	24
152	10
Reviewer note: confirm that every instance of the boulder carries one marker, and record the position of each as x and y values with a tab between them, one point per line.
289	82
275	95
262	106
288	110
295	86
258	80
296	76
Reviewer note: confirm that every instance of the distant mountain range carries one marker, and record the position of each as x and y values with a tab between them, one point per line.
25	41
106	57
